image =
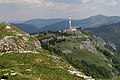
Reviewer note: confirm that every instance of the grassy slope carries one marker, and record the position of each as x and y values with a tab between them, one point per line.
28	44
78	54
42	65
82	54
4	31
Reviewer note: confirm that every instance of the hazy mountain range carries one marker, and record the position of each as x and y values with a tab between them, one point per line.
40	25
43	22
27	27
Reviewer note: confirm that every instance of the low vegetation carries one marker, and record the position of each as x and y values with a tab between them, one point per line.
30	66
88	53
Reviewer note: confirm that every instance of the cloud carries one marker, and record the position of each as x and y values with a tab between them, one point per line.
86	1
68	1
59	3
111	3
57	8
23	1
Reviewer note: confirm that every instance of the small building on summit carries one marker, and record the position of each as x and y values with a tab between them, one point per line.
73	29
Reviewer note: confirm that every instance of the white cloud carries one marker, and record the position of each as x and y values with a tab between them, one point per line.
109	2
38	3
57	3
86	1
23	1
113	3
51	8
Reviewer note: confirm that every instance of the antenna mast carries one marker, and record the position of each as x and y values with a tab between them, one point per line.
70	21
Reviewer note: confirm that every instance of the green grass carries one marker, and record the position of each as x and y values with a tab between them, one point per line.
84	54
76	54
28	44
43	66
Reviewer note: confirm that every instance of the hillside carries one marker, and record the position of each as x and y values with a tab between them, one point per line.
108	32
13	39
22	58
41	66
86	52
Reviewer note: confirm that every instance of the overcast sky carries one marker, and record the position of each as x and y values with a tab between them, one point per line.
21	10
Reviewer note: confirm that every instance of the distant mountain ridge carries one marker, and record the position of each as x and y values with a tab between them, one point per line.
27	27
91	22
55	27
41	25
57	24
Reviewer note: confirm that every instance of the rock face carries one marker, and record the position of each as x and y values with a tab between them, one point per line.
13	39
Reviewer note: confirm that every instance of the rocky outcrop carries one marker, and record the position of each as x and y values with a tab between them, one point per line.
74	71
14	39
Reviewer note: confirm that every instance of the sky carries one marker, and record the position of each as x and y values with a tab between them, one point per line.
21	10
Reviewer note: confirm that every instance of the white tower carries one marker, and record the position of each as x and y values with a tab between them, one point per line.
70	21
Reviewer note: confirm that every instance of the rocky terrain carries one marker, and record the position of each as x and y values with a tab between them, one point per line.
13	39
